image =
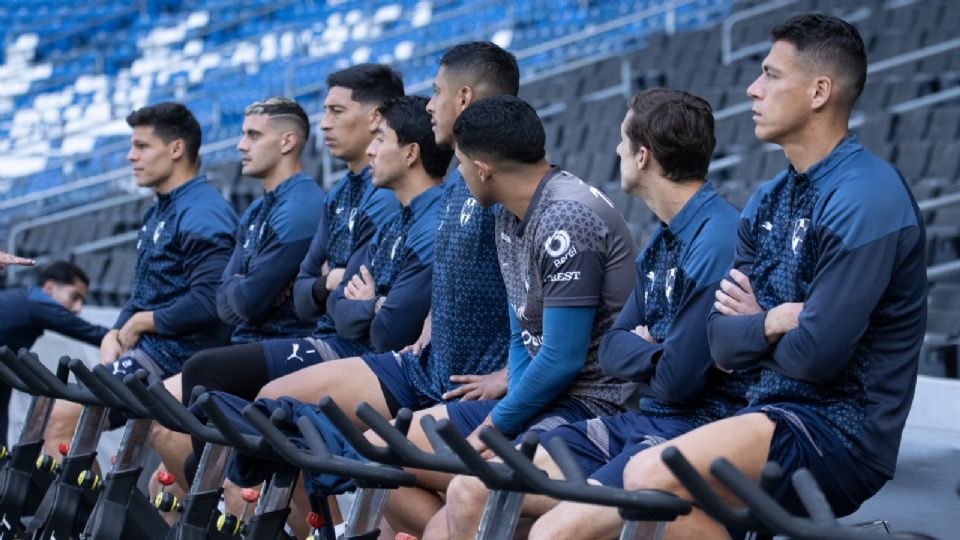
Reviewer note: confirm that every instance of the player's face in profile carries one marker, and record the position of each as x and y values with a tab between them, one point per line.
781	95
69	296
629	172
259	146
387	156
443	108
471	176
345	125
151	158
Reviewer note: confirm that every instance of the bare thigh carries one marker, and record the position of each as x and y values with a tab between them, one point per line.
349	381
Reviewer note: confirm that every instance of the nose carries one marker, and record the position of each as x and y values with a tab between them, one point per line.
430	106
325	124
754	90
130	155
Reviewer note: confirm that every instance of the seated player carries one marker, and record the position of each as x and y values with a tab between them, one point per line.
353	211
53	304
566	257
467	330
660	337
828	298
276	230
182	248
273	237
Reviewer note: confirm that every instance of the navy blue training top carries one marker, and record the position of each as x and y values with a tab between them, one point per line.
677	275
400	259
847	240
26	312
354	210
182	247
470	330
272	239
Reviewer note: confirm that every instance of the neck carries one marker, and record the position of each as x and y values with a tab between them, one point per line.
813	143
358	164
666	198
279	173
179	177
413	183
519	186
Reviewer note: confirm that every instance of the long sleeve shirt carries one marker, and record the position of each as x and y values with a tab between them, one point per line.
400	259
846	239
26	312
272	240
352	213
677	275
182	248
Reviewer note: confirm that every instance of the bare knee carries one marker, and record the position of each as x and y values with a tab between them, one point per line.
273	390
647	471
466	495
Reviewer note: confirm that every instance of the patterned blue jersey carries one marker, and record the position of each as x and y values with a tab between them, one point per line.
470	329
182	248
845	239
677	275
272	240
354	210
400	259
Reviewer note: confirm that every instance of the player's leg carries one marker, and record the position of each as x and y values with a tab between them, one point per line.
744	440
349	381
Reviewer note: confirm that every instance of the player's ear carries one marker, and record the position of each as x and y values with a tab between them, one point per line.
484	169
465	96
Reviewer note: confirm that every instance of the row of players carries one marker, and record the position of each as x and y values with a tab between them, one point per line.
790	333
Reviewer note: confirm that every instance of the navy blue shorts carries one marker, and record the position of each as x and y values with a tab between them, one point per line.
397	388
467	415
802	439
286	356
603	446
128	364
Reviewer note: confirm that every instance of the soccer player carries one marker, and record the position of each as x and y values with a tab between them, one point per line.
353	211
827	296
566	258
183	246
660	336
467	331
273	237
53	304
276	229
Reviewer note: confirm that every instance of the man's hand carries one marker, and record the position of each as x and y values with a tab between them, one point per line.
141	323
9	259
643	332
361	286
110	347
781	320
423	340
490	386
476	443
735	296
334	277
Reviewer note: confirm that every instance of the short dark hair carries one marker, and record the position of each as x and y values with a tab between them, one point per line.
677	127
501	127
275	107
832	42
370	84
408	117
62	273
487	63
170	121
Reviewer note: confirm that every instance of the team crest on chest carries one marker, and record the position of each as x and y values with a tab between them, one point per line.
158	231
352	220
467	210
800	228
